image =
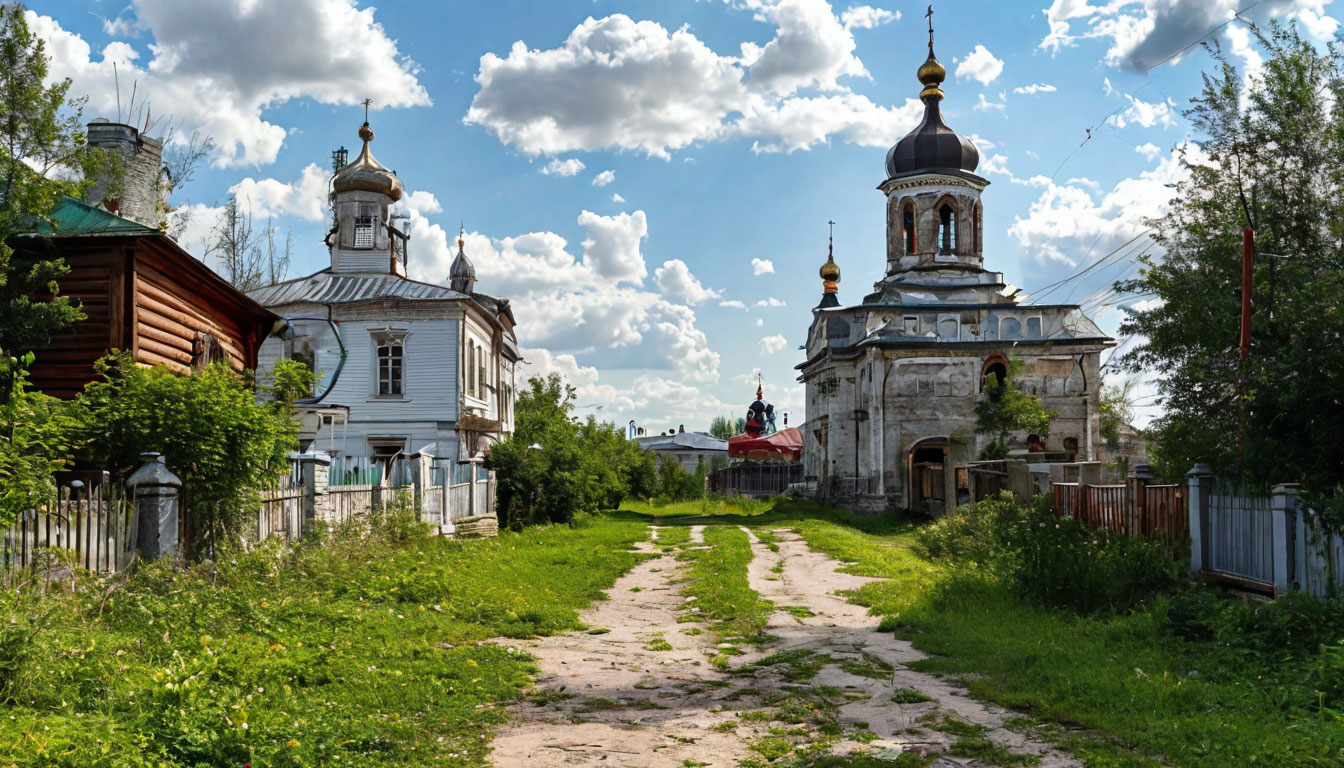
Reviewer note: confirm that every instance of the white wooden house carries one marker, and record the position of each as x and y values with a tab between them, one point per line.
403	367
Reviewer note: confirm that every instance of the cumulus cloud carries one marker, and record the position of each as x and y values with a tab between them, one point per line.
1145	33
732	304
867	17
984	105
675	280
218	67
1034	88
1148	150
762	267
979	65
567	167
770	302
1147	114
304	198
604	178
618	83
772	344
1068	222
616	198
590	306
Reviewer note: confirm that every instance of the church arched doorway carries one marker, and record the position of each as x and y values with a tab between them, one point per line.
927	461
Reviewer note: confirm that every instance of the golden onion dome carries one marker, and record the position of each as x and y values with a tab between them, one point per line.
830	270
366	173
931	75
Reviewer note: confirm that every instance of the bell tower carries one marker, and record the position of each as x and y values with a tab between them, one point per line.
934	217
362	238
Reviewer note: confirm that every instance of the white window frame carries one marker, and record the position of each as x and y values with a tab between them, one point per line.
363	225
381	338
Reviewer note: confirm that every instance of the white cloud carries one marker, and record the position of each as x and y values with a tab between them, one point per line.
772	344
1034	88
759	322
867	17
979	65
1067	222
305	198
219	67
1148	150
590	307
675	280
770	302
1147	114
983	105
762	267
616	198
620	83
558	167
1320	26
732	304
1145	33
604	178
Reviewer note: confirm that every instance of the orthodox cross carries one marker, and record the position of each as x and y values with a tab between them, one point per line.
367	102
830	243
929	16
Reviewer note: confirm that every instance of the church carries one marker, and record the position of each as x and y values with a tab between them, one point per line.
403	367
892	382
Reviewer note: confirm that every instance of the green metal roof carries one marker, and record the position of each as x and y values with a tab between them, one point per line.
71	218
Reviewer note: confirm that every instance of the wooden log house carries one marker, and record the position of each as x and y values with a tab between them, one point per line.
139	292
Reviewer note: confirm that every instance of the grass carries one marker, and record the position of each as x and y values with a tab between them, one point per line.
717	579
362	652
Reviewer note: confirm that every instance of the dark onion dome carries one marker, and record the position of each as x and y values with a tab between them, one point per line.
932	145
367	174
461	274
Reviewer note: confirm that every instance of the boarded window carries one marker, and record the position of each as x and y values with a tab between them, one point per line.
948	328
992	328
910	325
363	231
391	366
1033	327
1011	328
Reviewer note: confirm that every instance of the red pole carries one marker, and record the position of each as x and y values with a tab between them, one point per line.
1247	262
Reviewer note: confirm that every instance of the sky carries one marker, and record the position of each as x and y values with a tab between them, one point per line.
650	181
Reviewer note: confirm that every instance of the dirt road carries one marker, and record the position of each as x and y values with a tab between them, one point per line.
639	689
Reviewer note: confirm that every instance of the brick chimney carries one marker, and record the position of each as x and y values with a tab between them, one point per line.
142	157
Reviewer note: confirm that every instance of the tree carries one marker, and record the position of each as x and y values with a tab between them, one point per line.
1272	159
223	443
237	247
723	427
1117	411
552	468
1003	410
42	156
35	443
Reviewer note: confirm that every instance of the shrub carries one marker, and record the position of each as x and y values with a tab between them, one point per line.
212	431
1054	561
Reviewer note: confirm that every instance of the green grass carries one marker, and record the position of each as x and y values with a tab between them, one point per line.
1141	692
673	535
708	506
717	579
361	652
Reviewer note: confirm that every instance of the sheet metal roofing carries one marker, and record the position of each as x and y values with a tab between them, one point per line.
692	441
327	287
71	218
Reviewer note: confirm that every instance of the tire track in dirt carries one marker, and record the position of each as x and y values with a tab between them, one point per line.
800	581
638	694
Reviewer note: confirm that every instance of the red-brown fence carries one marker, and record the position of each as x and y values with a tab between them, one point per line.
1155	511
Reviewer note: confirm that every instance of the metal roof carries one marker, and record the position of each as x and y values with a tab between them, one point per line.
71	218
327	287
691	441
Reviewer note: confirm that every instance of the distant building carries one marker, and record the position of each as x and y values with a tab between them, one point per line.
403	366
892	382
690	449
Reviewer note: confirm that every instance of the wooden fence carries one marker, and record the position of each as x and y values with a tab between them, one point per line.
94	524
1136	508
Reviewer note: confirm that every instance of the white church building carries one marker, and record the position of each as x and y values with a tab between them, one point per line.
403	367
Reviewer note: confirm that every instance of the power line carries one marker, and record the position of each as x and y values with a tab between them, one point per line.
1046	290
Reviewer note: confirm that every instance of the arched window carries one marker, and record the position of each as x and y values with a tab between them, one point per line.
995	365
908	228
947	230
1010	328
992	328
480	364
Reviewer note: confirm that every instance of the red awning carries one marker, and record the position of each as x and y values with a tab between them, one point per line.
784	445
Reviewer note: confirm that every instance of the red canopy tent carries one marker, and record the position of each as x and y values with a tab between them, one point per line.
784	445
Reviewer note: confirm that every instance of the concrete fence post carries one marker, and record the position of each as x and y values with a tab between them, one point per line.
1284	509
1200	481
1018	480
1142	477
157	506
315	479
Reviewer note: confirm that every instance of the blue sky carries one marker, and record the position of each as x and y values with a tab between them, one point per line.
625	169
